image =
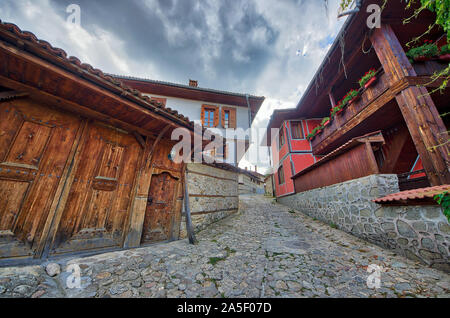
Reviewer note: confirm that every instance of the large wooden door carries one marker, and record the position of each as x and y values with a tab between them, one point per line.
164	202
98	204
35	143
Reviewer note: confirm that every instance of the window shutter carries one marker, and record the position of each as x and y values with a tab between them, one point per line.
216	116
233	123
203	115
222	121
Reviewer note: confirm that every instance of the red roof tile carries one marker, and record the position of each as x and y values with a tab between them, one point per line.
417	194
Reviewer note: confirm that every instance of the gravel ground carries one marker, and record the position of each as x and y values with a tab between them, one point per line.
266	250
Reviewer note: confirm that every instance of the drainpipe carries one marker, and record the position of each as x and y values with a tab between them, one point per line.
351	12
249	116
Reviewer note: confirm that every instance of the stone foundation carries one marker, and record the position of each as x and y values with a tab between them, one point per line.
213	195
421	233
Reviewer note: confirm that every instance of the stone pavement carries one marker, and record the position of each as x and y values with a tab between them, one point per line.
266	250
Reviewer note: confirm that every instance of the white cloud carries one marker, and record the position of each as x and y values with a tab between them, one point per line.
282	76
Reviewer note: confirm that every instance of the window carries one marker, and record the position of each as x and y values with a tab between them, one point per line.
281	136
228	117
296	130
208	120
379	157
210	116
223	153
280	175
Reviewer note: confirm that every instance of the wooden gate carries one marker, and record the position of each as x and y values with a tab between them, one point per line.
98	202
163	213
35	144
69	185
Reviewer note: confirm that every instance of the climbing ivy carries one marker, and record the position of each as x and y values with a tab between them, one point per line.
442	10
444	200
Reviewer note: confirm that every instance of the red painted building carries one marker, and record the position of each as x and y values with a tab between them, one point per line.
394	123
291	152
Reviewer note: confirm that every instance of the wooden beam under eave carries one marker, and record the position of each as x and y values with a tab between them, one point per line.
86	80
59	102
418	109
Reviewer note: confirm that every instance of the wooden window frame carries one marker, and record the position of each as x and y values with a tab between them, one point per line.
281	138
215	111
300	126
232	120
223	155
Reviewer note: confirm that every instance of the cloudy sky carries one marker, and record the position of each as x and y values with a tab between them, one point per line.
270	48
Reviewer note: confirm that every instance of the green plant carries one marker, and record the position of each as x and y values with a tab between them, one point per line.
336	109
367	77
428	49
314	132
443	200
324	120
350	95
442	10
214	260
445	49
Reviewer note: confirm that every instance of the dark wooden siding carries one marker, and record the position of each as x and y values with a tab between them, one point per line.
353	164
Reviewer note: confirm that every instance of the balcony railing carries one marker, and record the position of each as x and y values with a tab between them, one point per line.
367	96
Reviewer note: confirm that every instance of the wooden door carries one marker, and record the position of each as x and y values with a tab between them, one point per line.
35	144
159	216
163	213
98	202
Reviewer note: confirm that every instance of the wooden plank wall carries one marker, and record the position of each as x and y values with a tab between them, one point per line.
356	163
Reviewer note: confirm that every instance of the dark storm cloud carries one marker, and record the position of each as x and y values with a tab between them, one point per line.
234	57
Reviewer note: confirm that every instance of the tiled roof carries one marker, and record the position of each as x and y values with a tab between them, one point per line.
417	194
132	78
60	54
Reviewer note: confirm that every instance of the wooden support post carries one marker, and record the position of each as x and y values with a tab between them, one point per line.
419	112
187	208
133	235
332	100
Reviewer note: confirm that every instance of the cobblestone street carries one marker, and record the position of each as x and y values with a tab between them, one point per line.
266	250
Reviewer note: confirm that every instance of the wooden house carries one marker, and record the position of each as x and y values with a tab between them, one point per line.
211	108
85	161
394	125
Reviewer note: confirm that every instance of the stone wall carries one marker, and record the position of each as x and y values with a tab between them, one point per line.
420	233
247	186
213	195
268	188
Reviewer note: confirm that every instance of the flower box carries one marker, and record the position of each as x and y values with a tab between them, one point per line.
370	82
368	78
445	57
422	58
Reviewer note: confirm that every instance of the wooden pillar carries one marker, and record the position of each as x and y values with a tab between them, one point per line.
418	109
133	235
332	100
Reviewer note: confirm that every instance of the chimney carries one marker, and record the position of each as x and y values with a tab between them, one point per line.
193	83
